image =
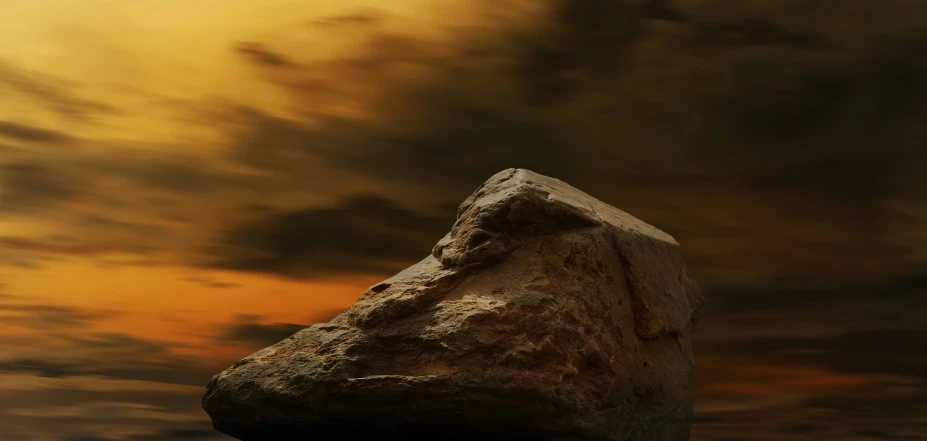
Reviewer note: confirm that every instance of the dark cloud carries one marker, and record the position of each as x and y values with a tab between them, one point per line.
844	106
872	351
93	221
259	54
755	31
249	331
76	413
77	383
53	93
253	331
50	316
26	185
361	18
177	174
258	334
585	38
87	200
44	368
32	134
32	251
87	414
180	177
903	291
212	283
56	245
881	411
116	368
364	234
106	355
756	152
86	352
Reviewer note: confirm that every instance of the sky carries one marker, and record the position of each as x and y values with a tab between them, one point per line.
183	182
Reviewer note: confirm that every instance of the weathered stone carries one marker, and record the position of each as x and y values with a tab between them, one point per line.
544	314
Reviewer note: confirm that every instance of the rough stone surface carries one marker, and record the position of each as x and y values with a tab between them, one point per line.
544	314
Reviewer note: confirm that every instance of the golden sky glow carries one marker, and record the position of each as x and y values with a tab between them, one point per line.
155	66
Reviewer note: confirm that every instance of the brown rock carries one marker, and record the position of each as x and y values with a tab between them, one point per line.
544	314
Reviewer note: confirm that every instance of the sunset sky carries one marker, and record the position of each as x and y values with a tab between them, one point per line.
183	182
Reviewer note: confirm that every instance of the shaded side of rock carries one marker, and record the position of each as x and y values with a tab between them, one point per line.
543	314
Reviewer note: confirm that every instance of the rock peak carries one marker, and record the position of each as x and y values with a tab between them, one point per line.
518	204
543	314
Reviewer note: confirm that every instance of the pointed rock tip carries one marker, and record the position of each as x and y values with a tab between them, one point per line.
518	202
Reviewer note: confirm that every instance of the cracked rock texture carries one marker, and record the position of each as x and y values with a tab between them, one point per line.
544	314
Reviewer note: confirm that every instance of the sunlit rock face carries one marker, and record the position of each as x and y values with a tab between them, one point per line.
544	314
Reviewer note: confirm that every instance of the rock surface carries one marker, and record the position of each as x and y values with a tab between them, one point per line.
544	314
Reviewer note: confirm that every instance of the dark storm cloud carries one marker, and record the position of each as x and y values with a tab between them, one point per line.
32	134
590	37
463	144
755	144
51	92
364	234
874	97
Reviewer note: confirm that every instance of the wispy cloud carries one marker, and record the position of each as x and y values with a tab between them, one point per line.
361	235
53	93
259	54
22	132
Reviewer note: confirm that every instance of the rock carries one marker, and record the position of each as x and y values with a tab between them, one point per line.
544	314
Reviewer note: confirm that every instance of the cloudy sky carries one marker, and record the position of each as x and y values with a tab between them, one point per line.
185	181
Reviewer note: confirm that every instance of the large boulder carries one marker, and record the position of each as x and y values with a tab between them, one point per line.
544	314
